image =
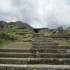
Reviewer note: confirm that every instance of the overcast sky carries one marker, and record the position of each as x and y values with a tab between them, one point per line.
37	13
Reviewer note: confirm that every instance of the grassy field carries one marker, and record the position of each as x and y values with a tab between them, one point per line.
63	42
10	35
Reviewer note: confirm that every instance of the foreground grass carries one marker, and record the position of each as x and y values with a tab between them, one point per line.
62	42
4	42
8	32
12	32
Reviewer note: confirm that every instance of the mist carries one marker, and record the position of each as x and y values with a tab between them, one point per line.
37	13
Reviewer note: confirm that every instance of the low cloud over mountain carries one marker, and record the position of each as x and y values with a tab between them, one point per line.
37	13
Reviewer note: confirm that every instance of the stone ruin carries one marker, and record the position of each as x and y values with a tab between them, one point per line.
44	55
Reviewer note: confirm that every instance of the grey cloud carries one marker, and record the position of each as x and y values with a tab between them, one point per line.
38	13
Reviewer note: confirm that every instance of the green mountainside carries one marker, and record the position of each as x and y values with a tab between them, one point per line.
19	31
14	31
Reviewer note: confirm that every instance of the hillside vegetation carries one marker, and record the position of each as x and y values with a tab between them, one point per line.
19	31
13	32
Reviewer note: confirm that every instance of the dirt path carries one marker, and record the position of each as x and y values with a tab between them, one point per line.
18	45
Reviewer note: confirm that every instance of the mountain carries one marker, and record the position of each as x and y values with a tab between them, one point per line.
3	23
19	24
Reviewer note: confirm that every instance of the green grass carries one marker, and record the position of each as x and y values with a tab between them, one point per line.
4	42
48	33
62	42
10	31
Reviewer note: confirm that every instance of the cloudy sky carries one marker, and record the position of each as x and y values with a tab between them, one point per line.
37	13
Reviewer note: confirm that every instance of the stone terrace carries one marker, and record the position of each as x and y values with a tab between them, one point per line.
43	55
